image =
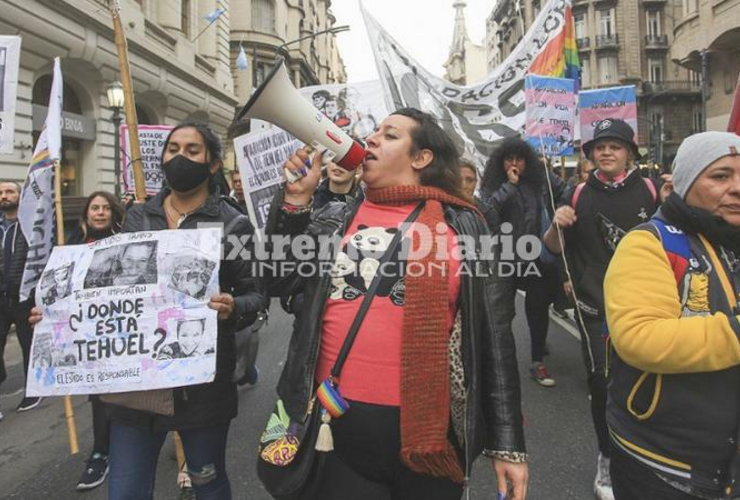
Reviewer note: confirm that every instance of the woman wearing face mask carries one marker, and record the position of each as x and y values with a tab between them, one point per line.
201	414
102	217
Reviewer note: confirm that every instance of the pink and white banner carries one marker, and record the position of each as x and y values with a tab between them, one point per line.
600	104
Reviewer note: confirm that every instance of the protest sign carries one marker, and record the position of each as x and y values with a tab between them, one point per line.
10	56
356	108
260	157
151	143
551	114
127	313
600	104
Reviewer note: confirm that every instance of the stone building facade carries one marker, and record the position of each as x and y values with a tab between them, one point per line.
182	69
621	42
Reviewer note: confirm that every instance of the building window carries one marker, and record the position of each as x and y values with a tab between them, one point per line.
607	69
695	77
690	6
607	22
260	71
580	25
585	73
654	24
263	16
698	120
655	70
185	18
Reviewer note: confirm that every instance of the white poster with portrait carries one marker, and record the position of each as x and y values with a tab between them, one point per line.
10	56
127	313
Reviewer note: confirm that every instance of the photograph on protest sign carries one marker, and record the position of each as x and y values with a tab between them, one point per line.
551	114
127	313
10	54
259	158
357	108
600	104
151	143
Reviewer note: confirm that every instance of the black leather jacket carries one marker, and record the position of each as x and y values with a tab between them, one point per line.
215	402
493	417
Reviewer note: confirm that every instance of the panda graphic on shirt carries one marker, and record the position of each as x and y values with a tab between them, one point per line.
359	261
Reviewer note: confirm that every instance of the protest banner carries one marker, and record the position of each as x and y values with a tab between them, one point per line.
600	104
478	116
10	56
260	157
127	313
551	114
151	143
356	108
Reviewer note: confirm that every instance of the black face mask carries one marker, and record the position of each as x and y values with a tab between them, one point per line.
184	174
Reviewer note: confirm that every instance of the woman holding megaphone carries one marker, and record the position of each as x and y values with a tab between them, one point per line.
201	414
395	345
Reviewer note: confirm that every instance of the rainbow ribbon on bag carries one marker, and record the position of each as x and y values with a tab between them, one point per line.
331	400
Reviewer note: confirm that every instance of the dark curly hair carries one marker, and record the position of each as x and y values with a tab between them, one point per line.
494	175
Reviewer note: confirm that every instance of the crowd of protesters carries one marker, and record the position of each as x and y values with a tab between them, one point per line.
427	361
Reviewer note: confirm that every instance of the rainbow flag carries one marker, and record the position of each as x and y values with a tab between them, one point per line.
560	57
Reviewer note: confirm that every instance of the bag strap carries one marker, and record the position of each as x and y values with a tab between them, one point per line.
576	195
355	328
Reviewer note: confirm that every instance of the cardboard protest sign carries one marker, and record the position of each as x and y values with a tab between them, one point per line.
127	313
600	104
260	157
151	143
551	114
10	56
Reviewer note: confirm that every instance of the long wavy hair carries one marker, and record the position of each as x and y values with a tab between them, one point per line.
116	210
494	175
444	170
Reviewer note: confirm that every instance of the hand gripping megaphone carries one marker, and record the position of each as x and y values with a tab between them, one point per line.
277	101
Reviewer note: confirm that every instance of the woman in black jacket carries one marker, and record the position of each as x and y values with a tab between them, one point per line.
515	188
201	414
101	217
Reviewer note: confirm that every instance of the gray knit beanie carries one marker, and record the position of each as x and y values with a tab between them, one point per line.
697	152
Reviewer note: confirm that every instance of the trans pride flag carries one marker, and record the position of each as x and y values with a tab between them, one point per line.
551	114
560	56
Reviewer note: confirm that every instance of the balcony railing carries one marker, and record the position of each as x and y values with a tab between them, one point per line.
583	43
604	41
656	41
671	86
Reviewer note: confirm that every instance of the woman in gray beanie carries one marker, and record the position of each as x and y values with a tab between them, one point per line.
672	293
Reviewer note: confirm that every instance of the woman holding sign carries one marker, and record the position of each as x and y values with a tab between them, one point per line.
201	414
102	217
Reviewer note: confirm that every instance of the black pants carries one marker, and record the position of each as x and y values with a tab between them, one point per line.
366	463
101	426
593	348
540	293
15	313
633	481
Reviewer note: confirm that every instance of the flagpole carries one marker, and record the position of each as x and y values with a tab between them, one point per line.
69	412
128	102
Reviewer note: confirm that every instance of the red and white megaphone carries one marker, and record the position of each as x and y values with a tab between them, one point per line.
277	101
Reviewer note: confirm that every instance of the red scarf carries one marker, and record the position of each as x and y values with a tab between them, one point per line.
425	373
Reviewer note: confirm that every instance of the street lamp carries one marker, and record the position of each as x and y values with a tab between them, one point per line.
334	30
115	103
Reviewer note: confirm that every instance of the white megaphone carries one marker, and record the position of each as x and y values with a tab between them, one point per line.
277	101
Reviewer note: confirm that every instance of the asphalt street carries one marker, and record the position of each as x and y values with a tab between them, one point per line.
35	463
